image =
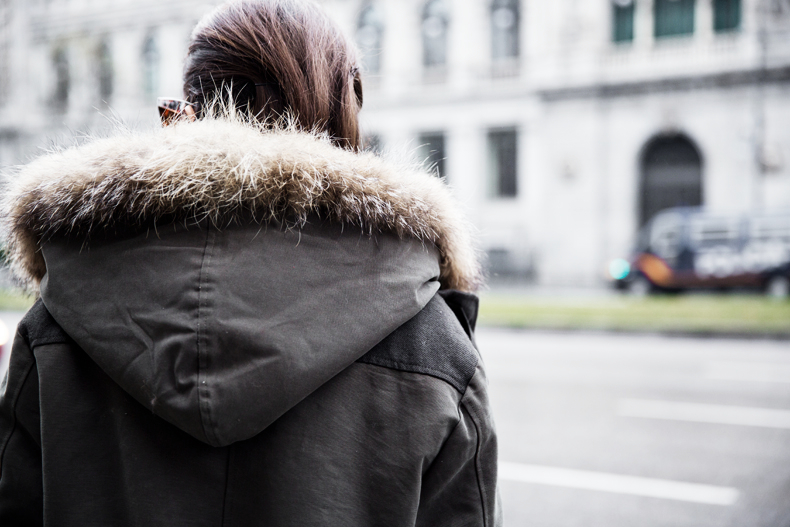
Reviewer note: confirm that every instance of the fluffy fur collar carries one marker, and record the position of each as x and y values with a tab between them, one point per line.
221	169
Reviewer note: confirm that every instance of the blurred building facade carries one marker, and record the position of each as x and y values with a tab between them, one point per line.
72	66
563	125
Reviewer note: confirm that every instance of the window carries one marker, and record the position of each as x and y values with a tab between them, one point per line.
150	67
771	228
433	152
499	261
502	163
622	20
504	29
105	72
666	235
370	32
706	231
673	17
779	8
435	21
372	143
726	15
60	63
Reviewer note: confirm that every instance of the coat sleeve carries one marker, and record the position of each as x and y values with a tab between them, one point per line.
460	487
21	486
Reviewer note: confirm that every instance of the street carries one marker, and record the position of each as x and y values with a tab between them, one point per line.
624	430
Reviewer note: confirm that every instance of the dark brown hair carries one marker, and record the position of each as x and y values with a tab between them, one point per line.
278	58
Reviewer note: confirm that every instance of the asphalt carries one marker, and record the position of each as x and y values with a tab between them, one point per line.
640	430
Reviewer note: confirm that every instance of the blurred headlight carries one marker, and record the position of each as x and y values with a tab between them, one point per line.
619	268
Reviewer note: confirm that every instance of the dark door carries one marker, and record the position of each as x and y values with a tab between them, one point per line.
671	176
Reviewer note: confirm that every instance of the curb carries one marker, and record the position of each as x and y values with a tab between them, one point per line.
671	333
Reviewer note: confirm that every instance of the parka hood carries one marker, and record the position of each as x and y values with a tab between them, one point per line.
220	272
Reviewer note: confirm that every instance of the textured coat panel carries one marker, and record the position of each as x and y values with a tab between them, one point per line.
226	170
432	343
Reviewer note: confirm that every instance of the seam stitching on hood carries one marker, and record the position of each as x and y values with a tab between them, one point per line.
415	368
204	391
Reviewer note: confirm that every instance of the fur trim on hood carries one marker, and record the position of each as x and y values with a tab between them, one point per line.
224	170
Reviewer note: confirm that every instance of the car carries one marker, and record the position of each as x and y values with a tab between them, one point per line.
690	248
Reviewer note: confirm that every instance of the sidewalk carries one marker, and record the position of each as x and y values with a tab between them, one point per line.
706	314
530	290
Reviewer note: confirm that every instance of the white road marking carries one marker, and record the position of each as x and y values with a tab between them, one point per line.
704	413
617	483
747	371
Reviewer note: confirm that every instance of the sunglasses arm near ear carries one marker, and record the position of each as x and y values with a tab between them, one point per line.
173	109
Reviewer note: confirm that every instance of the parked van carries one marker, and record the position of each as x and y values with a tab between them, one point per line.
689	248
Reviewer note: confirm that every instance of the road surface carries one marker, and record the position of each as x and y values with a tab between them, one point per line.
622	430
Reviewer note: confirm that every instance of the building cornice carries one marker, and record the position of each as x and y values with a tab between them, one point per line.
60	23
726	79
512	89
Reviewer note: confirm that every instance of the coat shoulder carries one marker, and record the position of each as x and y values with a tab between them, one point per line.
436	342
38	327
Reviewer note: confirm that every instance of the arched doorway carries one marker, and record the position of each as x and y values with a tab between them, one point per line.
671	176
